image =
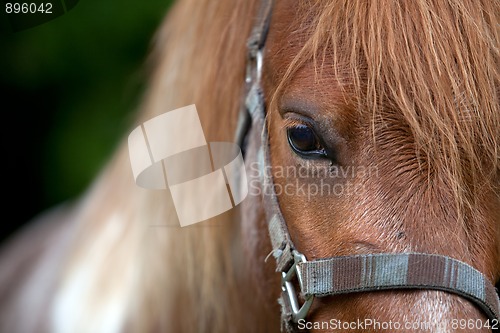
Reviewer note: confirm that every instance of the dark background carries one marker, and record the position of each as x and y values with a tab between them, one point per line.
69	89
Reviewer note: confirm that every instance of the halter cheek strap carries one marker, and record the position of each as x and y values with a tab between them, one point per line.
348	274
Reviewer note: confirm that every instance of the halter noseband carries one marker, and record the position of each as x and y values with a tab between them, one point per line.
323	277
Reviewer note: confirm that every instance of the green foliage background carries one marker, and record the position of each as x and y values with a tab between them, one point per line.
69	90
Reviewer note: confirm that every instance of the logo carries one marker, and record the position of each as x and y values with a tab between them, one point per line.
204	179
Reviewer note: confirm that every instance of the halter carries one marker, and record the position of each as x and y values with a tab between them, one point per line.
346	274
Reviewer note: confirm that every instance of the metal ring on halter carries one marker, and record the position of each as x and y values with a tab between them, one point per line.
298	312
259	61
254	67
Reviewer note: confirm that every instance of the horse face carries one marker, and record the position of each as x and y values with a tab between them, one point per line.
352	180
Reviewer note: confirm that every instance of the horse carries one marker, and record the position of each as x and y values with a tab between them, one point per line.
382	120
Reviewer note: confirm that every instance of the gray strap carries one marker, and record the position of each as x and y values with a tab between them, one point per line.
341	275
252	124
258	37
255	44
278	231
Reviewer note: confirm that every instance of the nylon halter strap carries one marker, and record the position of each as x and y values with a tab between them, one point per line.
347	274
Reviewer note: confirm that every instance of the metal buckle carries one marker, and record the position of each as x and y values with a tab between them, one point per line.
298	312
255	62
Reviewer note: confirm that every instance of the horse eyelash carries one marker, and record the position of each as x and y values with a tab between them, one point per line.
291	123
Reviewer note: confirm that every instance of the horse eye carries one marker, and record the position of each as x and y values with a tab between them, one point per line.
304	142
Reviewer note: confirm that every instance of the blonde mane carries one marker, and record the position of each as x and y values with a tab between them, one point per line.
156	276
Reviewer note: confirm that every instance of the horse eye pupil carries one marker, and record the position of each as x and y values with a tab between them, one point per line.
302	138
